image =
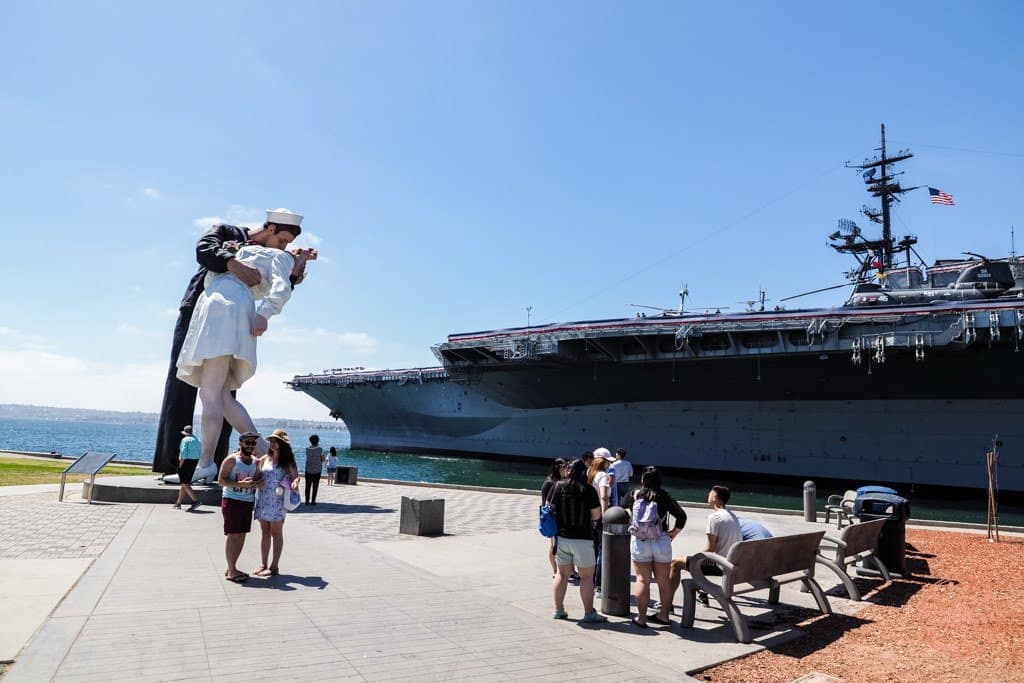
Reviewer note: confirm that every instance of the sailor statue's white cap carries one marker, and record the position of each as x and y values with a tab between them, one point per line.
283	217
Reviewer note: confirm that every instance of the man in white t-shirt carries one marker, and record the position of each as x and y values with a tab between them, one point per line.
723	532
622	472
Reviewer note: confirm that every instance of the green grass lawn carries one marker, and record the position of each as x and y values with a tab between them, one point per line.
14	470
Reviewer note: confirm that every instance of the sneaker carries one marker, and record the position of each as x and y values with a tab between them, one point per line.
559	614
594	618
194	506
702	598
176	506
574	577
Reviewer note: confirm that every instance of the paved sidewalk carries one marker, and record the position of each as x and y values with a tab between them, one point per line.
356	601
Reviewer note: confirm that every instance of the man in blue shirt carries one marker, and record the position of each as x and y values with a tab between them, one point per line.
753	531
622	472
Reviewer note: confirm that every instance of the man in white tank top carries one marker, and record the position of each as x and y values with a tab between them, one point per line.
240	479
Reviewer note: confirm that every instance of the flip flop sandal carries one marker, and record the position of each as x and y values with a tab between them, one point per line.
239	578
658	620
274	571
638	624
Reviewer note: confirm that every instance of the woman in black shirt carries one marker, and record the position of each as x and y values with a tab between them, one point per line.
654	553
559	468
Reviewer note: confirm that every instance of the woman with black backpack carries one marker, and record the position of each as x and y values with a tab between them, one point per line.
576	509
651	544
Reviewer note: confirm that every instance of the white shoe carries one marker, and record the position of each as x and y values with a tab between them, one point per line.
206	474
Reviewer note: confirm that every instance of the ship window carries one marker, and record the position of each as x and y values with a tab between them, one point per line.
944	279
904	278
760	340
714	342
799	338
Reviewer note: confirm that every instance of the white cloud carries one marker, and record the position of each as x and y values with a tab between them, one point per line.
307	239
16	339
355	342
151	193
236	215
51	379
44	378
265	395
135	331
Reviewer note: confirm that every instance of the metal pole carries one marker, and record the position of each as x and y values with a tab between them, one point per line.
810	502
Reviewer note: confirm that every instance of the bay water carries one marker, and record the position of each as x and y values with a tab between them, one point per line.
133	441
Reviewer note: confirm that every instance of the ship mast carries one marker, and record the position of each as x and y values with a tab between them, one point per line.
882	181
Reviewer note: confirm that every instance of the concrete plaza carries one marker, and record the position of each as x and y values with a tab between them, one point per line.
137	591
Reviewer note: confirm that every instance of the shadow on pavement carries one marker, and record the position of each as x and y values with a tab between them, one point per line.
321	508
285	582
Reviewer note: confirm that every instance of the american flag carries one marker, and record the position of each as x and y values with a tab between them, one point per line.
940	197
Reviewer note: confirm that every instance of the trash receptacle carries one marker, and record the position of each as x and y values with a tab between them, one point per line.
615	574
892	542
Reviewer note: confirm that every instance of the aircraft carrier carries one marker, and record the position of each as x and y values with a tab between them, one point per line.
910	382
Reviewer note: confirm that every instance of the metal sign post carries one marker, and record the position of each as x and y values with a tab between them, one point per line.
89	463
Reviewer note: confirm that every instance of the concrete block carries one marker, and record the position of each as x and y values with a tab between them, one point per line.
422	516
346	475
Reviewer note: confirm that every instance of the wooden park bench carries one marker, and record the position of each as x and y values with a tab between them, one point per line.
754	565
856	542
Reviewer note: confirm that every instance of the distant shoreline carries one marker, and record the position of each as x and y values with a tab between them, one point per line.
16	411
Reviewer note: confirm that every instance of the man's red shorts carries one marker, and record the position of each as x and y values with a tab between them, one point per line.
237	515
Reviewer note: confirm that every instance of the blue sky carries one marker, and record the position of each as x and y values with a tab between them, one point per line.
460	161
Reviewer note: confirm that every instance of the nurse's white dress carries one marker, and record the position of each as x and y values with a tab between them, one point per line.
222	320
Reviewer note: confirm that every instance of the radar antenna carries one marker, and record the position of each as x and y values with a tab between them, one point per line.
755	305
882	182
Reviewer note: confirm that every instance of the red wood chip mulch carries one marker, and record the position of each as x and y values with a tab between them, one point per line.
959	617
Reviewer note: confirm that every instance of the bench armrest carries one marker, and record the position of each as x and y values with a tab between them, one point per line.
834	500
698	558
835	541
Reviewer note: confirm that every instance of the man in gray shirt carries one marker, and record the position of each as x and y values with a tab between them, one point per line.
723	532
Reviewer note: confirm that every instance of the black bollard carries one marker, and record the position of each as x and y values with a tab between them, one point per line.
615	570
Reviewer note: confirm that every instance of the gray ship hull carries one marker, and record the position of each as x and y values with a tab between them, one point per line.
922	442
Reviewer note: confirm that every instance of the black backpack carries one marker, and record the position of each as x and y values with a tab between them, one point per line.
570	506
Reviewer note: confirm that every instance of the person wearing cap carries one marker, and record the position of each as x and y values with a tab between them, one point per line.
239	478
215	255
187	458
219	351
280	477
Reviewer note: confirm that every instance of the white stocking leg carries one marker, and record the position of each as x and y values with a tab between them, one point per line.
211	391
238	417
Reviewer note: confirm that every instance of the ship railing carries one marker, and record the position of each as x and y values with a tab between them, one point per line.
817	325
370	376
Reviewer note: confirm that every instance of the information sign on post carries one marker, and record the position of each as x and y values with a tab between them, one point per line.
90	463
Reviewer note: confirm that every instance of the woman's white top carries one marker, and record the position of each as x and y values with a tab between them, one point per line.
222	320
